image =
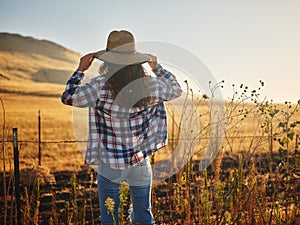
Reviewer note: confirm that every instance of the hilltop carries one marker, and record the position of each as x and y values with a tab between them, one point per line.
30	65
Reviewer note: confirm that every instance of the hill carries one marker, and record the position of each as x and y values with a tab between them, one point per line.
29	65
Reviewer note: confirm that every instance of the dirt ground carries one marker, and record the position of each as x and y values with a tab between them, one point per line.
56	191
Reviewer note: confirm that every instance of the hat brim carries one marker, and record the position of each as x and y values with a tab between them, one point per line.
122	58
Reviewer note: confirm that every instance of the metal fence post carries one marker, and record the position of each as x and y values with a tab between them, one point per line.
17	174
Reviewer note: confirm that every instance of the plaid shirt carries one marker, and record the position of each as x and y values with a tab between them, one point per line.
118	136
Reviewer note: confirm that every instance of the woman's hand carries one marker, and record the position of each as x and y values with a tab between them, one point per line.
153	60
85	62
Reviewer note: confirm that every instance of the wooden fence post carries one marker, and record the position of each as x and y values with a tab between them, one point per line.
17	174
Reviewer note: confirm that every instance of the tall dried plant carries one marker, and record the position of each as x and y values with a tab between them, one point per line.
26	208
4	164
73	182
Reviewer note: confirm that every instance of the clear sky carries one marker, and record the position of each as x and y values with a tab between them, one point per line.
240	41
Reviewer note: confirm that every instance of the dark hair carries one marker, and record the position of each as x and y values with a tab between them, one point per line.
131	81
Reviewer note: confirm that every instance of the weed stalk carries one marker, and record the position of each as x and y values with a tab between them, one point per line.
110	205
124	191
73	182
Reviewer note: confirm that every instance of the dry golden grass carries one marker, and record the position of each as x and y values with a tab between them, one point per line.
25	60
23	98
31	76
57	126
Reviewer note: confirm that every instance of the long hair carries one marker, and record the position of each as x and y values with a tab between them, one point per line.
129	85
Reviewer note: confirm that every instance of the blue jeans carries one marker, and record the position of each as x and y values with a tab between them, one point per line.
139	179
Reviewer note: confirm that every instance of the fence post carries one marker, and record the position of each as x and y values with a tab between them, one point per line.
17	174
39	138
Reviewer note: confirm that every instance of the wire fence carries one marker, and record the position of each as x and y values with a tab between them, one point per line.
37	131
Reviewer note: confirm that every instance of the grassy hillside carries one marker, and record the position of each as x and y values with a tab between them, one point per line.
27	57
33	74
32	66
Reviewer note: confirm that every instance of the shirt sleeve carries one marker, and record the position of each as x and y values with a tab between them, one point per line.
166	85
77	95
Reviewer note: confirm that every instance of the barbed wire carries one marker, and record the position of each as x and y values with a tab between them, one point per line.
85	141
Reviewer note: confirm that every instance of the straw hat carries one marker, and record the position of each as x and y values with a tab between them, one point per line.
120	49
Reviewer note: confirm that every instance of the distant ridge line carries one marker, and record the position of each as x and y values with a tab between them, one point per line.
31	38
30	45
39	94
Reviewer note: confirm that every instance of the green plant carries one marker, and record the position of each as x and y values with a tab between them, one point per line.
91	195
110	205
269	111
54	215
124	191
67	215
287	132
284	132
73	182
205	201
83	214
50	222
36	201
218	200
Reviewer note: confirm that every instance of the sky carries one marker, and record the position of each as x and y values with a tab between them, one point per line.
240	42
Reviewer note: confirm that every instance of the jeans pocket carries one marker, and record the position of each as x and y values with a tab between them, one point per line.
146	168
109	173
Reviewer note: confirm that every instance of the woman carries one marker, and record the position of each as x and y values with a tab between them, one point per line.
127	120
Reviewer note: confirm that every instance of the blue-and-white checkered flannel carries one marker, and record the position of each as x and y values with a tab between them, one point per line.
118	136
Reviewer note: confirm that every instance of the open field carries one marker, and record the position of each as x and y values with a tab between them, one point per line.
56	125
188	197
244	135
250	177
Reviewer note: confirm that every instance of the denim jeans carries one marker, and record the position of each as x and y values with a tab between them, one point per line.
139	179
